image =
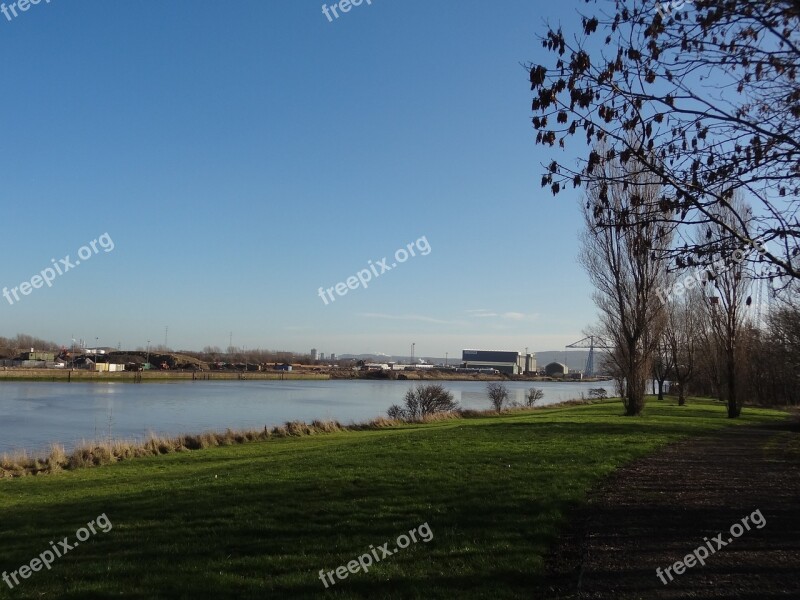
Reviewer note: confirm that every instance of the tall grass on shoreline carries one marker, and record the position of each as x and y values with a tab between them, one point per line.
105	452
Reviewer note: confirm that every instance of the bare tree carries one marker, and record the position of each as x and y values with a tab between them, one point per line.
422	401
498	394
533	395
26	342
726	298
682	336
663	365
706	98
623	266
774	356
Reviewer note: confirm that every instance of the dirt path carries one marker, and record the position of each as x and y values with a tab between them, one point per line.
657	510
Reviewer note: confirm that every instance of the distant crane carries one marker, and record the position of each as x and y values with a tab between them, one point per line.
591	343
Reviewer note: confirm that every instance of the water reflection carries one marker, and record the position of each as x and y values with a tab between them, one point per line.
33	415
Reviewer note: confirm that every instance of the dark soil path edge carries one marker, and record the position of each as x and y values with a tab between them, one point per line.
657	509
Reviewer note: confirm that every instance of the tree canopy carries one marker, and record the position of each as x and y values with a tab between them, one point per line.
702	95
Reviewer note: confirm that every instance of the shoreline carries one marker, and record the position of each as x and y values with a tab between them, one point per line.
100	452
82	376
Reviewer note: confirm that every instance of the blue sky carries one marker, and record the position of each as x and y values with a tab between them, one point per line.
241	155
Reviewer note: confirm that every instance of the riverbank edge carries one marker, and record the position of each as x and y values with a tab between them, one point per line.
82	376
104	452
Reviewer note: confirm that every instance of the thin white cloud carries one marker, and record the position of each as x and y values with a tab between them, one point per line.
418	318
508	316
481	313
517	316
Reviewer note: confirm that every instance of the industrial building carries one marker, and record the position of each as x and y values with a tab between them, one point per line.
38	356
507	362
556	369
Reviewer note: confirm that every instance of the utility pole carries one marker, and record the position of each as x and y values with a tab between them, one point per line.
166	331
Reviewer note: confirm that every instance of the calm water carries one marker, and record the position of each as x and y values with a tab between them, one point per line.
33	415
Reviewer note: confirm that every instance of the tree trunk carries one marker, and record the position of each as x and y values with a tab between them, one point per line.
635	389
734	406
661	390
633	406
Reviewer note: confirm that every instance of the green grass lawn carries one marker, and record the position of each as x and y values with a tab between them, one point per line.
260	520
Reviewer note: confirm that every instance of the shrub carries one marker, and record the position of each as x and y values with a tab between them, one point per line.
101	455
192	442
396	412
208	440
533	395
469	413
57	458
326	426
423	401
498	394
81	457
598	394
280	431
378	423
297	428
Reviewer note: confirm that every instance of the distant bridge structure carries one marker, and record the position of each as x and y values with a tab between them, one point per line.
591	342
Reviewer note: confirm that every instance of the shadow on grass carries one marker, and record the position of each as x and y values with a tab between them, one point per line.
263	518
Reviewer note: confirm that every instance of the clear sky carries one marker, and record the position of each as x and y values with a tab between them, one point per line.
241	155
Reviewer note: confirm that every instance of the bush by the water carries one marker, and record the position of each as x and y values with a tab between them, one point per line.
498	394
423	401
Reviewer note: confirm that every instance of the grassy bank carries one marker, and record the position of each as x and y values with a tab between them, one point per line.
260	519
105	452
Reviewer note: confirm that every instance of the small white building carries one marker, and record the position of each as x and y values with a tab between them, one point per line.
108	367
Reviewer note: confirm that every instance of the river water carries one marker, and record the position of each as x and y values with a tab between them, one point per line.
34	415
